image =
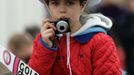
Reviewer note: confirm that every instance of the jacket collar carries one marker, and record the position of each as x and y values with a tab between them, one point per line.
84	38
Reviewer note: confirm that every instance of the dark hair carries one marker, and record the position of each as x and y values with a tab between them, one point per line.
82	2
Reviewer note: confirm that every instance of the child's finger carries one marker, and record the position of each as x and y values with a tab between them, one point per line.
48	26
46	32
50	31
45	21
48	35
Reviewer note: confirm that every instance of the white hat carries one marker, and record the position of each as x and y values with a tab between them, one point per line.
90	2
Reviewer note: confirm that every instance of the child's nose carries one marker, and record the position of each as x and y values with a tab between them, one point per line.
63	9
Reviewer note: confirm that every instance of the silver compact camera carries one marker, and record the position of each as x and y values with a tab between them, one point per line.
62	25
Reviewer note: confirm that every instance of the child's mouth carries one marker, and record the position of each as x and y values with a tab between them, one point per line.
63	17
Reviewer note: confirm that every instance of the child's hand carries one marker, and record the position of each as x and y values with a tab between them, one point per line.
47	32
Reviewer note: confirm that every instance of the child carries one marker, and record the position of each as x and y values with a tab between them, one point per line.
86	51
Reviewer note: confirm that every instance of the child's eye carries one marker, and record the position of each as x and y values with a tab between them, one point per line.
55	3
70	3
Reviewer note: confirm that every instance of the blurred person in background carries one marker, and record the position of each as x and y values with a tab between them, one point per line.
126	35
21	44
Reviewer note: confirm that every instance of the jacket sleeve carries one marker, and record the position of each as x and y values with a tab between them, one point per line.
105	59
42	58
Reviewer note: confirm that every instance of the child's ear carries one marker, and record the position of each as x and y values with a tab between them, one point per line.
82	8
83	5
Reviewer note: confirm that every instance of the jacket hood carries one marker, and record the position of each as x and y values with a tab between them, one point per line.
93	23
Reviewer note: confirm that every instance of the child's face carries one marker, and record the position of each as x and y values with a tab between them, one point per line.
65	8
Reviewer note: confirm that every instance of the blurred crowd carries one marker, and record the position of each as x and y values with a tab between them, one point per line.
121	13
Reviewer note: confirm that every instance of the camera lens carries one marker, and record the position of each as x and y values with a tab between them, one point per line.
62	26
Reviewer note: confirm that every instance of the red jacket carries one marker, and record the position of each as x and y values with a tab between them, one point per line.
97	56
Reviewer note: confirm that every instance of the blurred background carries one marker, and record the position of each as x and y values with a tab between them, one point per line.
20	21
17	15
